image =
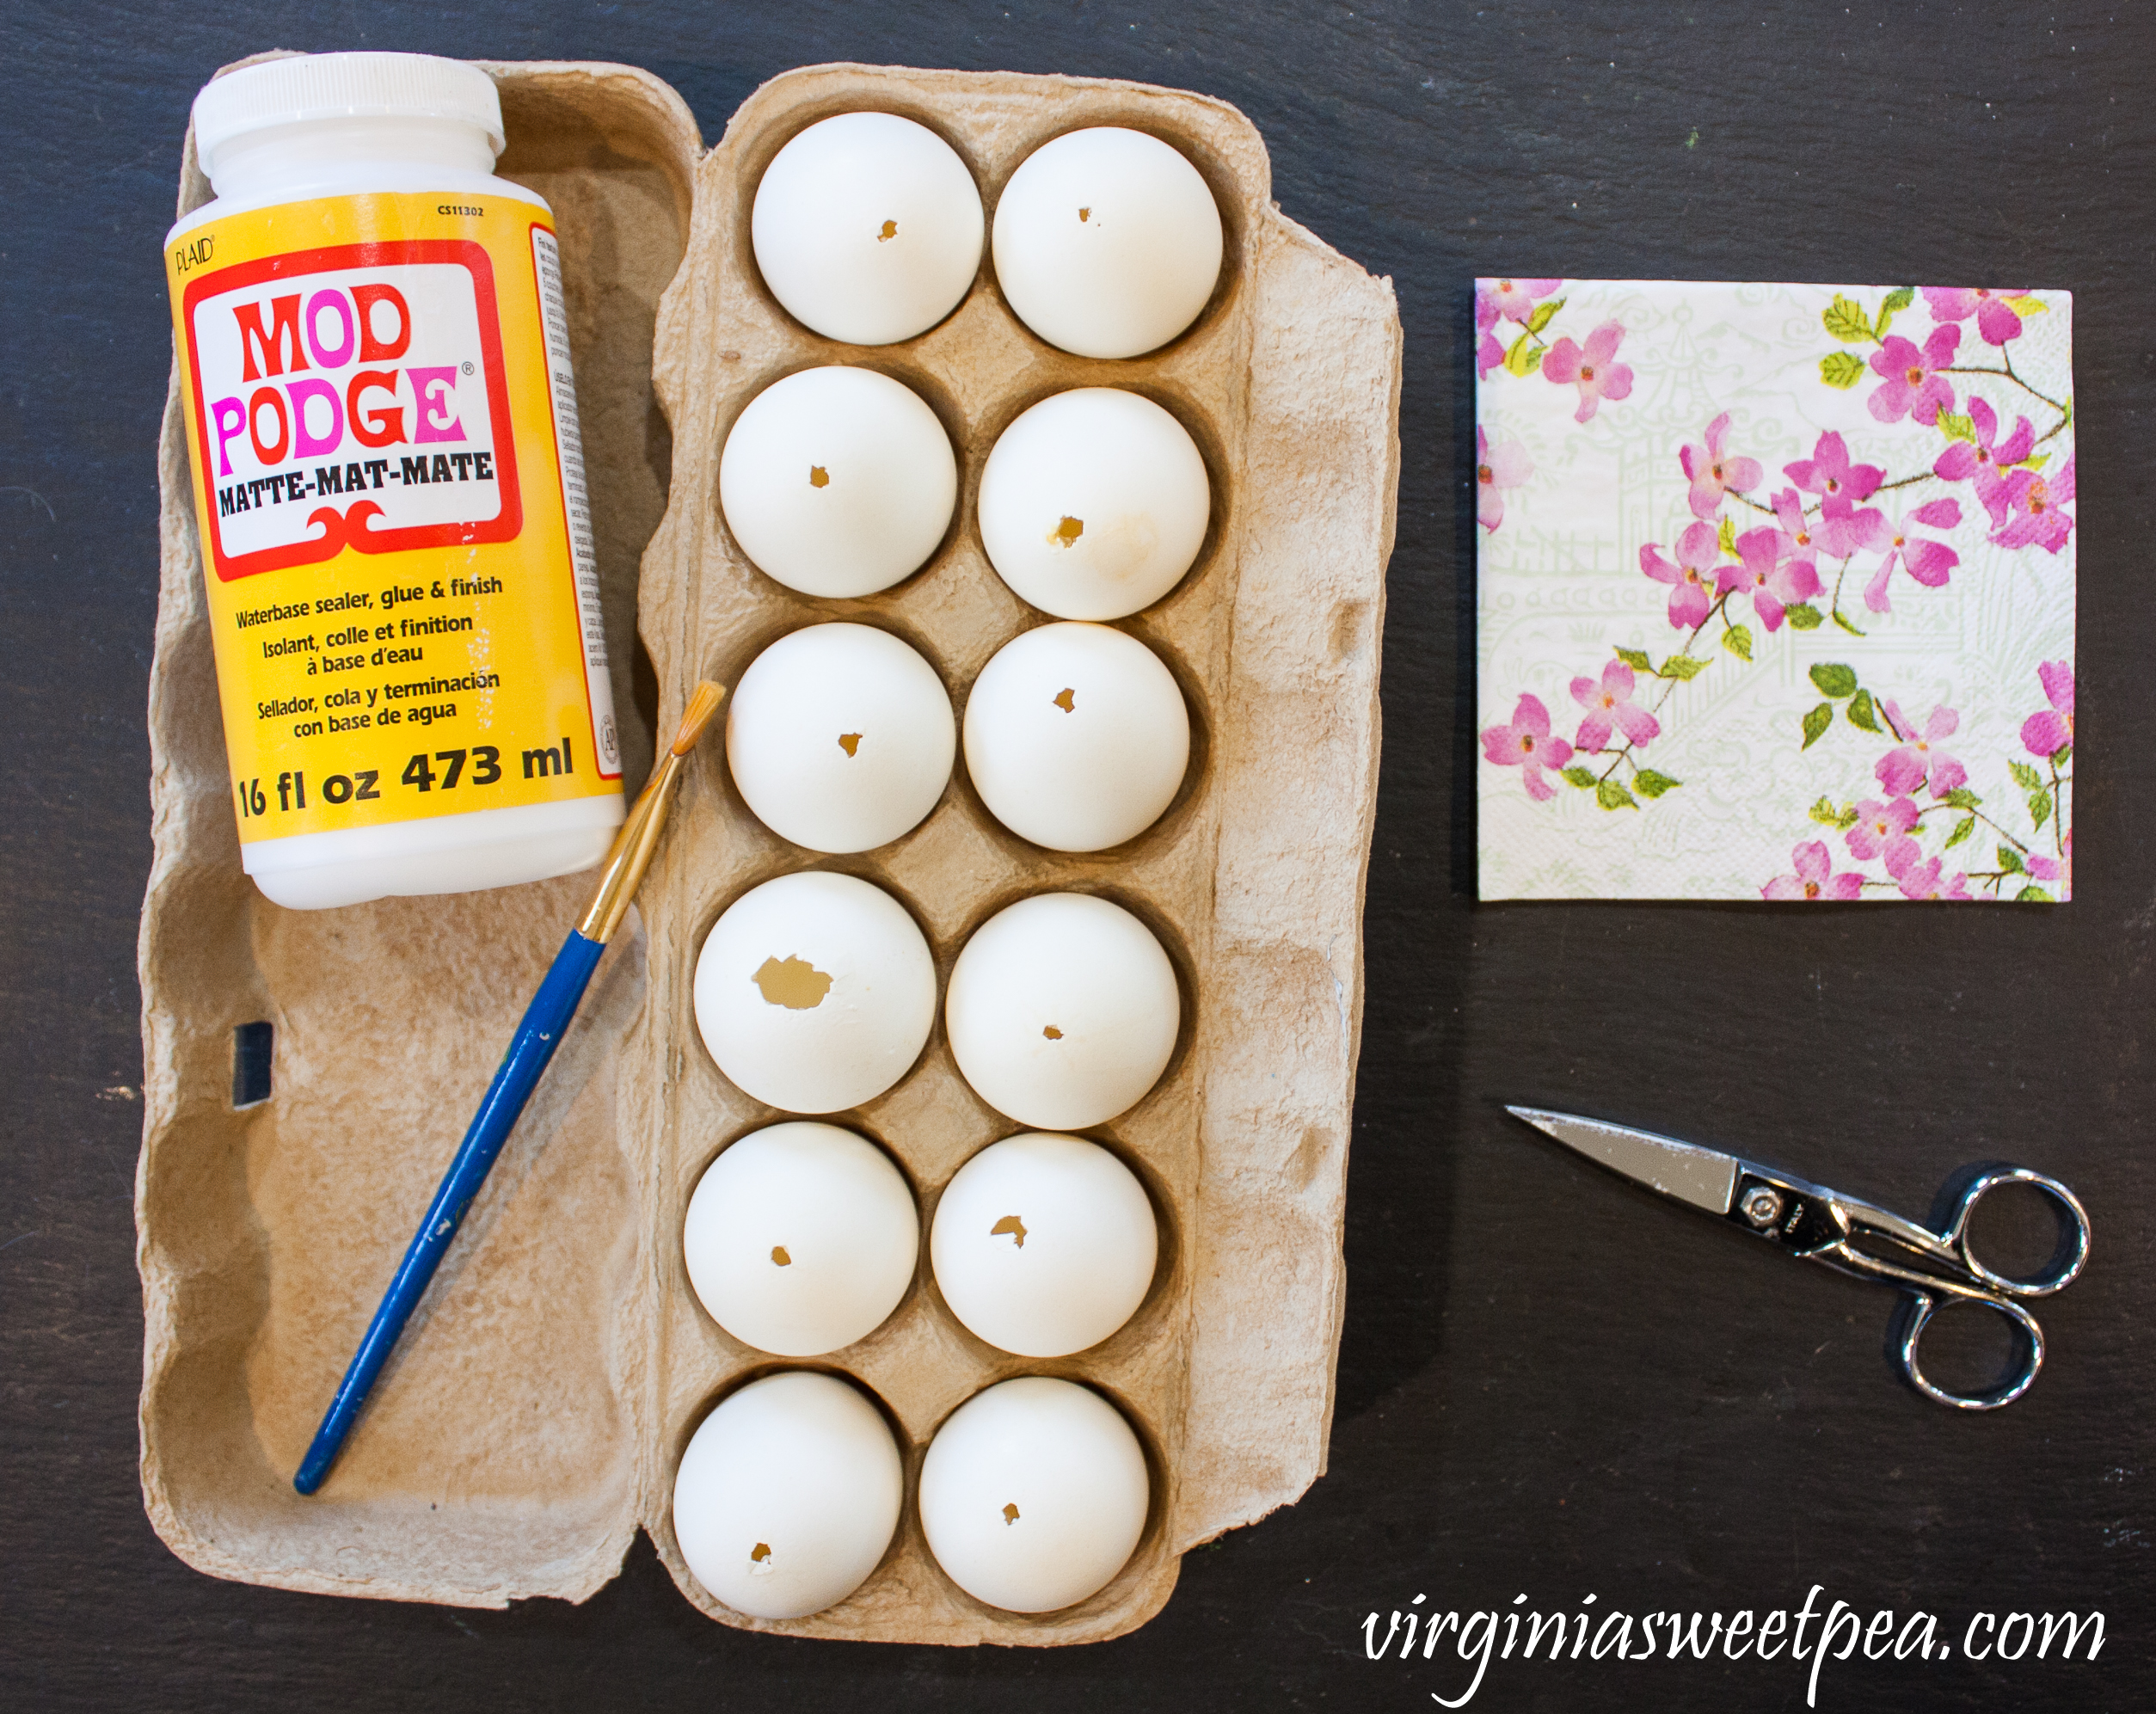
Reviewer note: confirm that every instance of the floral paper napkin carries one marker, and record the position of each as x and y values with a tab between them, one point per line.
1776	591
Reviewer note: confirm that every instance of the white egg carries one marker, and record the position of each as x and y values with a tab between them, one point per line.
788	1495
1034	1494
1043	1245
1108	243
1076	736
837	481
801	1239
867	227
815	992
840	737
1094	503
1062	1011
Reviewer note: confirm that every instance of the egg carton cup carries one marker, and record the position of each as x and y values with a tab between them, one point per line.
534	1414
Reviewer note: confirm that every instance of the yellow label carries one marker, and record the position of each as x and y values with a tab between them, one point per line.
389	485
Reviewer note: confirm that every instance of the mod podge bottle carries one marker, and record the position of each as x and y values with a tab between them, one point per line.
374	363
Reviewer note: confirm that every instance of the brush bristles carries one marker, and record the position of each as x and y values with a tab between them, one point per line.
701	706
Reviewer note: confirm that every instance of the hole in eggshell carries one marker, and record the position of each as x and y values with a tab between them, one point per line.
890	232
819	477
1052	1032
1066	533
1010	1513
849	742
1009	1227
1085	214
759	1560
1065	699
794	983
780	1257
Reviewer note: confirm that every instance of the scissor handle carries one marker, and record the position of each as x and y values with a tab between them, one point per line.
1925	1306
1957	1234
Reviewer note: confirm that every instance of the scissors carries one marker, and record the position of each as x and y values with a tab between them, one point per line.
1851	1236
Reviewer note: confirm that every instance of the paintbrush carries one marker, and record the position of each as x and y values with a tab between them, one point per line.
538	1036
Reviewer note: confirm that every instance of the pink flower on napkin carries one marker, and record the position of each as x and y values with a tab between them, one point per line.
1774	584
1882	832
1591	368
1843	529
2047	734
1987	460
1697	552
1610	703
1996	319
1715	471
1928	561
2039	522
1828	472
1526	744
1798	543
1901	771
2060	871
1913	387
1497	468
1515	298
1489	354
1921	880
1814	877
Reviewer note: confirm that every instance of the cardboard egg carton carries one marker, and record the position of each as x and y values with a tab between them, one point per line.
533	1415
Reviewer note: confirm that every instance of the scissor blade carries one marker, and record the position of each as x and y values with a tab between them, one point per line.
1705	1179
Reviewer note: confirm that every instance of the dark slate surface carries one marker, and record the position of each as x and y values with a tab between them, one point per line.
1550	1384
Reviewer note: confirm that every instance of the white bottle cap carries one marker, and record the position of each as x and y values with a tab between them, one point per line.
333	86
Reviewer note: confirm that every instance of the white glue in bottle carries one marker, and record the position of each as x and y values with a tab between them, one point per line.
402	590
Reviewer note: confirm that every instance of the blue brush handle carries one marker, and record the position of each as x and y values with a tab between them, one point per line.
522	1067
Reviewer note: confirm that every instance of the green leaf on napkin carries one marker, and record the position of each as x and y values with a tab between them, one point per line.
1842	369
1846	321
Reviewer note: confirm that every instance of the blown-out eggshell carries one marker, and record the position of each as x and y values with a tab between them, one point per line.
1044	1244
1076	736
840	737
867	227
787	1496
1094	504
815	992
801	1239
837	481
1033	1494
1062	1011
1107	242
